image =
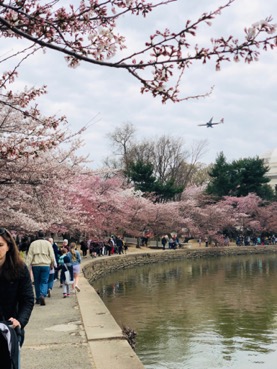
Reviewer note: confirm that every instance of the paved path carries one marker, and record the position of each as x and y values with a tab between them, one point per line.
55	336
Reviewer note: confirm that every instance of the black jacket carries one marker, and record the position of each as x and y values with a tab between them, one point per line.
17	298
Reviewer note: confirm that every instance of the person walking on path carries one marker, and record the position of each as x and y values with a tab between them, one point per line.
75	260
16	292
64	252
57	253
164	242
84	247
65	244
66	282
40	256
200	242
51	278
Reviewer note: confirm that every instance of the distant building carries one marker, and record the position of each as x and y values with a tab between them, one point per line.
271	160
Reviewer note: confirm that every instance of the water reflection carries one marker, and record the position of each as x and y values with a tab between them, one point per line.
208	313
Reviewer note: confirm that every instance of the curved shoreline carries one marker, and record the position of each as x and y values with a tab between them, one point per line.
108	346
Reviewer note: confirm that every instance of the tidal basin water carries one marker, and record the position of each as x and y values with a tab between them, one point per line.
205	313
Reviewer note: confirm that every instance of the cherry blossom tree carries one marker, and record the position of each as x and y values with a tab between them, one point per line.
27	134
104	205
204	217
107	205
33	190
67	197
267	216
33	164
163	218
246	214
101	206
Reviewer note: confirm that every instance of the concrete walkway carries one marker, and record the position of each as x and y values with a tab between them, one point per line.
77	332
55	336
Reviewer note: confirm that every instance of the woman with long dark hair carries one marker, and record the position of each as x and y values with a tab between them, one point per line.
16	291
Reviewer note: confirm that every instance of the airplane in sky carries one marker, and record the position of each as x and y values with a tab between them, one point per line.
210	123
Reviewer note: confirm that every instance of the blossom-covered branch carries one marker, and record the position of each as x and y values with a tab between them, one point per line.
87	31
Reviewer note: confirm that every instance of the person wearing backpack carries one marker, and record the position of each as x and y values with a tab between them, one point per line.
66	281
16	293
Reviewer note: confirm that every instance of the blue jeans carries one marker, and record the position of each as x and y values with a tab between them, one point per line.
41	275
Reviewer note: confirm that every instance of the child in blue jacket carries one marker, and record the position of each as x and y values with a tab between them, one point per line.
66	283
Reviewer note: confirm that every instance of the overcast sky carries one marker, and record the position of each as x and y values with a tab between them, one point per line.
245	95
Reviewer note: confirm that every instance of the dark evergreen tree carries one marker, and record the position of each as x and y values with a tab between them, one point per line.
167	191
251	178
141	174
239	178
220	177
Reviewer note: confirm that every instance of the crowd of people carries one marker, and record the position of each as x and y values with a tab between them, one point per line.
256	240
48	263
110	246
171	240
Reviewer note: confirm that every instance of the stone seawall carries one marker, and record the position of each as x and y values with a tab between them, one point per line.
102	266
